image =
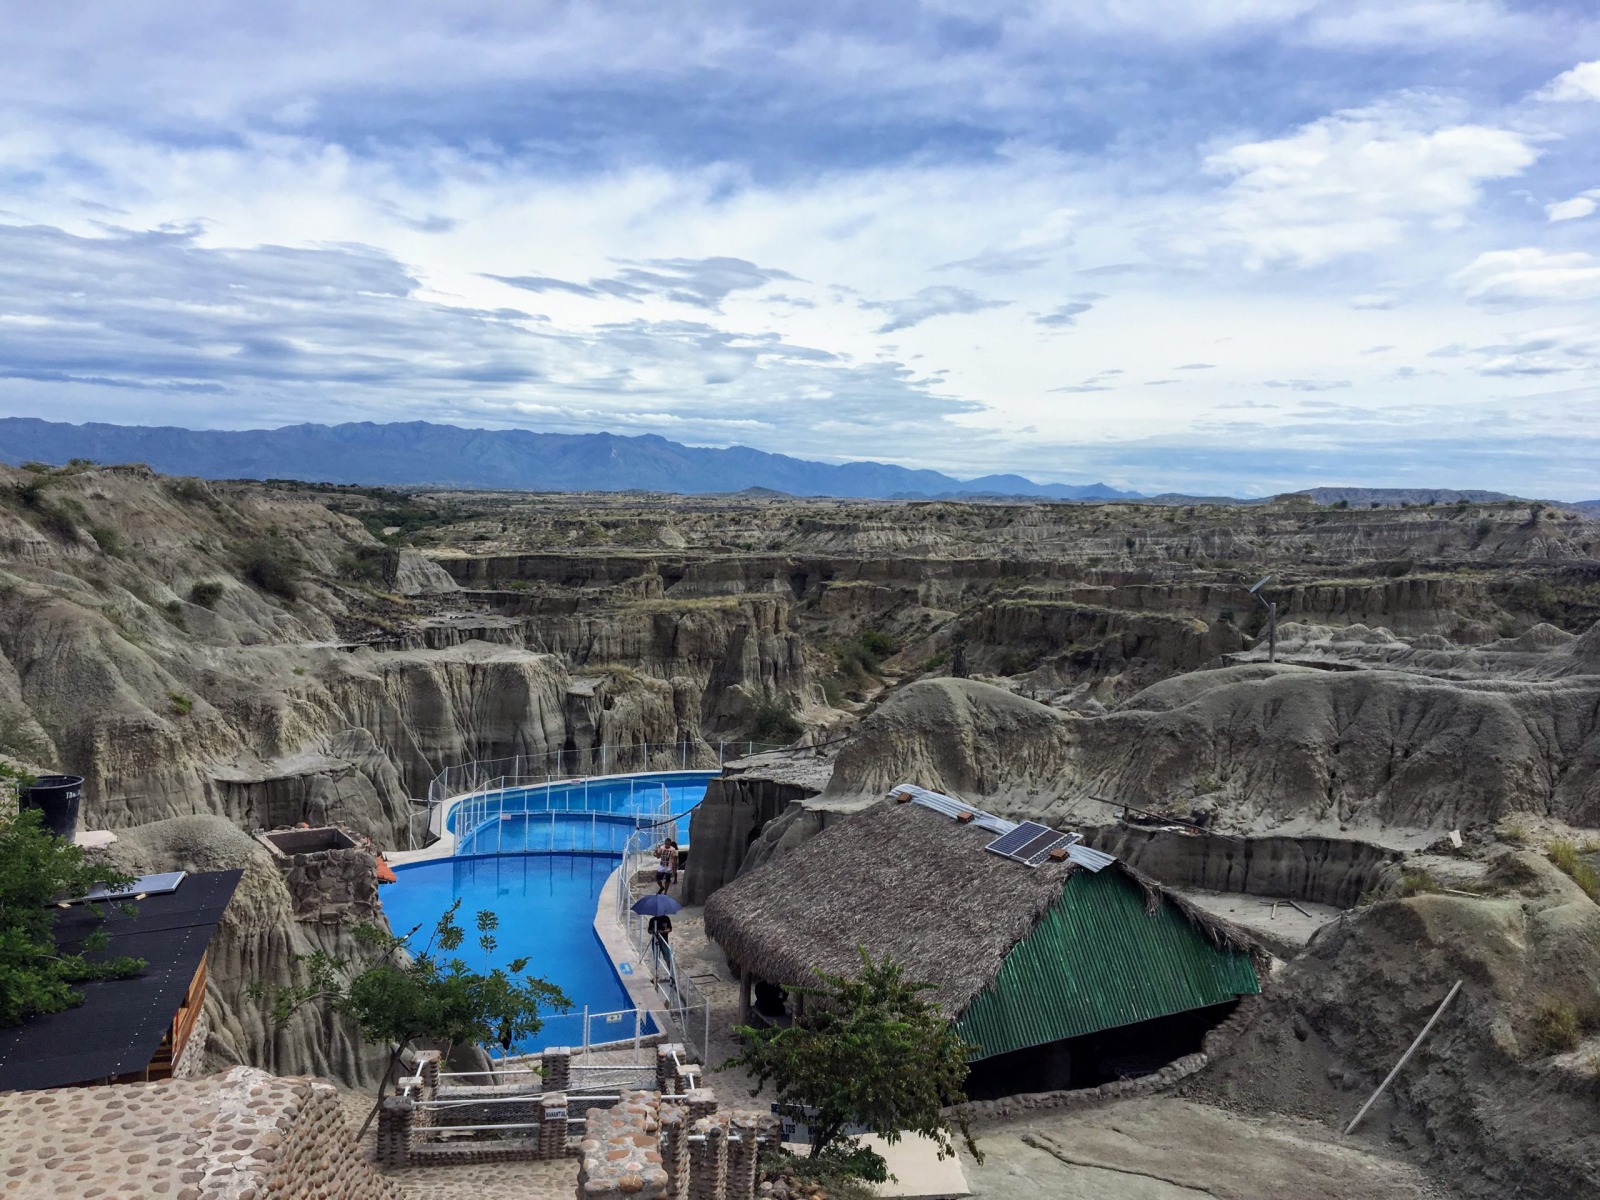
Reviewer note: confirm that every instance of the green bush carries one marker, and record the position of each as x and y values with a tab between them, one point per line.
1556	1029
1565	854
206	593
182	705
1398	568
1418	883
271	568
773	723
108	539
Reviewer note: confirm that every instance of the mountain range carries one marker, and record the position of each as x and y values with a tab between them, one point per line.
419	453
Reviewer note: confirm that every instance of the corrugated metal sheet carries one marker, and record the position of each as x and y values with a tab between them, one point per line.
1097	961
951	807
1089	858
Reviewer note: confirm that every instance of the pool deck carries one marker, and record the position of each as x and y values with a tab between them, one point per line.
634	974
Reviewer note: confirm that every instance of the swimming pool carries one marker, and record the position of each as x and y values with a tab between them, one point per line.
538	859
579	815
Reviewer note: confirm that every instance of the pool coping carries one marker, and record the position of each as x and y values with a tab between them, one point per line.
620	953
445	847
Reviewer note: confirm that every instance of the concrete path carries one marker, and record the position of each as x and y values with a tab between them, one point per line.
1163	1148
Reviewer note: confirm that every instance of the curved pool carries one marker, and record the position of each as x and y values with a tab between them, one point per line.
538	859
578	815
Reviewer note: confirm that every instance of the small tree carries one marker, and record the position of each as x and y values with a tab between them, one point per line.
870	1051
37	869
396	996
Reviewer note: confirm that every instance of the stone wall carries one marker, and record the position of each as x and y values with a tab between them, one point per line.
191	1063
655	1147
331	887
243	1135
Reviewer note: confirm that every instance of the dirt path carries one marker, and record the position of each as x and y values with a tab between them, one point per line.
1164	1148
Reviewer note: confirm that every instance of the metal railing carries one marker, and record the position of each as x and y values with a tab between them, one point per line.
561	767
578	822
687	1007
518	770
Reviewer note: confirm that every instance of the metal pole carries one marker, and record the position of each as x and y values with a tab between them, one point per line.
1404	1058
636	1031
585	1029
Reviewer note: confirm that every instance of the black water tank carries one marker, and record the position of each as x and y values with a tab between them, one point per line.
57	797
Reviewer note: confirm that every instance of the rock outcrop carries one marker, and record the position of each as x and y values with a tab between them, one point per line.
260	940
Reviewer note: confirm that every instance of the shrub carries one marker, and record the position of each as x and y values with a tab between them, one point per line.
206	593
1418	883
1564	853
58	523
271	568
1398	568
832	693
1515	834
773	723
108	539
370	564
1556	1029
181	704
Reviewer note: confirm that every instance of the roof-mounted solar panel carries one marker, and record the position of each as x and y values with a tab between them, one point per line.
1030	843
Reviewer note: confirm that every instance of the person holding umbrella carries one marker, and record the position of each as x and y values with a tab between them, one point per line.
659	909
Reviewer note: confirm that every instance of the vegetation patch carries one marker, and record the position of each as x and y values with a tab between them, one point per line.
272	567
1556	1028
1565	854
772	721
182	705
206	593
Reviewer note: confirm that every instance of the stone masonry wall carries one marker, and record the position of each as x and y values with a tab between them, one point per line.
243	1135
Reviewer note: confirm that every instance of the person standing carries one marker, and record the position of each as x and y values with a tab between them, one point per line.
666	860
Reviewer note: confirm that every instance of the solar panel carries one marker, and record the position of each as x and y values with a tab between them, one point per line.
1008	844
1031	843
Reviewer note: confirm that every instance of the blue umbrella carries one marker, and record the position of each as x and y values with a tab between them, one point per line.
657	904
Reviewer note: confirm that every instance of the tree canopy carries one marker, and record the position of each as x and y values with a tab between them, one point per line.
396	996
870	1051
38	869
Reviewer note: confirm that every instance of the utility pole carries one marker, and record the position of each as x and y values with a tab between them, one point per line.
1272	618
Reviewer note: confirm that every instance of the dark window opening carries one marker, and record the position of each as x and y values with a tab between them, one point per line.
1126	1052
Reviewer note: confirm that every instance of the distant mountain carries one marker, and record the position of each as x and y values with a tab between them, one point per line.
419	453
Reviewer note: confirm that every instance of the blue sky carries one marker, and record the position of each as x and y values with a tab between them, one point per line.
1172	245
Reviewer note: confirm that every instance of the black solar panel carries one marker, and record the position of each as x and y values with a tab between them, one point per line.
1008	844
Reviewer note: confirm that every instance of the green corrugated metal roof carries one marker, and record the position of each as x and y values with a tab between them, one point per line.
1097	960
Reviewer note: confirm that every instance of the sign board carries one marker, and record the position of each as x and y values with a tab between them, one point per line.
792	1124
625	968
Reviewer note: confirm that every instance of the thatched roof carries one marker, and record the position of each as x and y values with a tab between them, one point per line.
905	881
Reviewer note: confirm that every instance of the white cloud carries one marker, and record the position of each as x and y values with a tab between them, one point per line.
1572	210
930	302
1357	181
1530	275
1580	83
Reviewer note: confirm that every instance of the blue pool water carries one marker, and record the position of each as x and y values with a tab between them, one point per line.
589	814
546	907
538	858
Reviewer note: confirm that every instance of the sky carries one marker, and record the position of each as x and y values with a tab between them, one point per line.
1171	245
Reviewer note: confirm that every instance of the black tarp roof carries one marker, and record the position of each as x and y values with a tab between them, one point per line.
121	1022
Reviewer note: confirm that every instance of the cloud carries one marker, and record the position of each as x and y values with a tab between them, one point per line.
1582	82
703	282
1063	316
930	302
1530	275
1309	385
997	262
1196	366
281	333
1574	209
1554	351
1356	181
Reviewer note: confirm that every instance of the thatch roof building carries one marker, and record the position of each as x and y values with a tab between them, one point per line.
1020	956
